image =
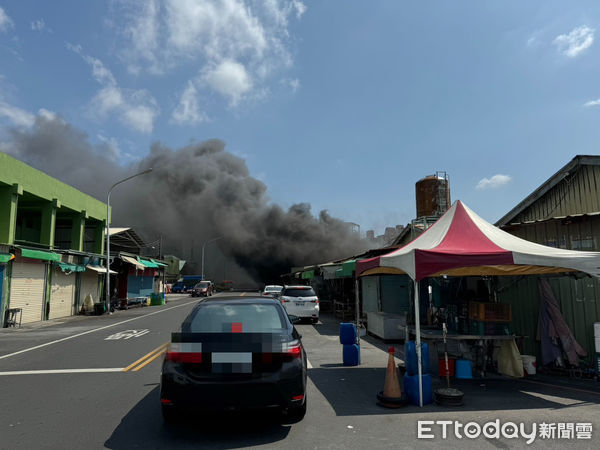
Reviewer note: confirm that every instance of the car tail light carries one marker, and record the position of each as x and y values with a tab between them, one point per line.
294	349
185	353
297	397
291	350
165	401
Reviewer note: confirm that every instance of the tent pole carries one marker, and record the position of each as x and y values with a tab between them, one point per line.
418	341
357	309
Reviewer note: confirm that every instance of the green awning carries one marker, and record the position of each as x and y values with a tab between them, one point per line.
348	267
40	254
308	275
147	263
6	257
69	268
158	263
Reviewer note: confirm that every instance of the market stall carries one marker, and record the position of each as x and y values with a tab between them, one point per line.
461	244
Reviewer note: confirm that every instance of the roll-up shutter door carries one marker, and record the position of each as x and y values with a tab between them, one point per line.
27	289
395	293
62	294
89	286
369	292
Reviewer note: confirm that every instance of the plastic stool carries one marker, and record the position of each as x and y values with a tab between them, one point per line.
463	369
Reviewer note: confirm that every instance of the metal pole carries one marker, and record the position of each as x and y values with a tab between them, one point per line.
418	342
107	290
356	299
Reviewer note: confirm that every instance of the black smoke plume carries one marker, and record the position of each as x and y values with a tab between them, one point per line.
195	193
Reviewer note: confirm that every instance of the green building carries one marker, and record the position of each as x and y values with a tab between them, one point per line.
51	244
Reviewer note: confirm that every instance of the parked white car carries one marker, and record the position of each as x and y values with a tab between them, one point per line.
271	290
300	301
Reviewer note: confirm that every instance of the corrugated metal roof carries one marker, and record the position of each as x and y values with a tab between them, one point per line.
554	180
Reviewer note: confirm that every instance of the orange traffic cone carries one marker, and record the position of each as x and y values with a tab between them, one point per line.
391	396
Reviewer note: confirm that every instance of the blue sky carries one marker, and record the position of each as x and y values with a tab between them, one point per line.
344	105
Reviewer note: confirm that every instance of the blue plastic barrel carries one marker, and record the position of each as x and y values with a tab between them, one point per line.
347	333
463	369
411	388
351	355
410	352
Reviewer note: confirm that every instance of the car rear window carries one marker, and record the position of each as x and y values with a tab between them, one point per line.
293	292
246	318
202	285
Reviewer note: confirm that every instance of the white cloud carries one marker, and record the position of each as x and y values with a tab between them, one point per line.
188	110
110	146
229	79
141	116
592	103
48	115
578	40
5	22
236	45
494	182
136	108
40	25
294	84
16	115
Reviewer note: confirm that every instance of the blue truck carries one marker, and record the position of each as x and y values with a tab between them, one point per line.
186	284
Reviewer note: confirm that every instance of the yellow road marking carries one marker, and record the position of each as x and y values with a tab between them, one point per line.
160	349
148	361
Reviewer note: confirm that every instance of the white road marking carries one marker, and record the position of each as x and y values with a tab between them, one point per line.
127	334
308	364
46	372
90	331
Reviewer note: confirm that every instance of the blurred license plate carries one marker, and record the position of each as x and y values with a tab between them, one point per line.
231	362
299	303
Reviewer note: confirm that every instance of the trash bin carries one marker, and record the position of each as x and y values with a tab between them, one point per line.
99	309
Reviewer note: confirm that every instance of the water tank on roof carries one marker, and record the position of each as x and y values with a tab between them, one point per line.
433	195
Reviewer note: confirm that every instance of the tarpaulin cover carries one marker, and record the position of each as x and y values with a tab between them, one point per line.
158	263
147	263
553	332
40	254
6	257
133	261
69	268
461	239
308	275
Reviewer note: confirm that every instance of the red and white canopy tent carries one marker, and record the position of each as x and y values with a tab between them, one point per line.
461	243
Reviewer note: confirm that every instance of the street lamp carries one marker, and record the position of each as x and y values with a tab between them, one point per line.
107	290
203	245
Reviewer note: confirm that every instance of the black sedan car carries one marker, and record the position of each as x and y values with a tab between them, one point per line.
235	353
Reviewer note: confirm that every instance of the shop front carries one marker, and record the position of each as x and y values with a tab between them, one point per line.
460	247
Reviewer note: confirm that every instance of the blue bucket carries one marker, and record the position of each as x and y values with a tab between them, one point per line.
463	369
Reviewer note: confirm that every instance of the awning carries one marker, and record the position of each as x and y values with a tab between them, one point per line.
329	272
99	269
135	262
6	257
308	275
147	263
159	263
347	268
40	254
70	268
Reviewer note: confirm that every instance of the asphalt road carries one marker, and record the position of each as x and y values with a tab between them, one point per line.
92	382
